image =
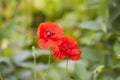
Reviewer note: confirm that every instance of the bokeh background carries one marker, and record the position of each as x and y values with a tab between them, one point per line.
95	24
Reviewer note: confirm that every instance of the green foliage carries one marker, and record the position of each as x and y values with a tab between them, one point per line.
116	49
95	24
81	71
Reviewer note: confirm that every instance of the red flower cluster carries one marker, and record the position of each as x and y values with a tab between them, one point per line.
51	35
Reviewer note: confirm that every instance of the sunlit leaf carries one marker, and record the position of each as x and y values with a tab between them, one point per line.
116	49
91	25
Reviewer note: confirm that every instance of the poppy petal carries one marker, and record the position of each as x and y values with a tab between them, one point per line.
75	55
43	44
58	54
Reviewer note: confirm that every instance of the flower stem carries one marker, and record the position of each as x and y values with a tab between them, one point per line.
49	60
34	56
67	69
93	76
1	77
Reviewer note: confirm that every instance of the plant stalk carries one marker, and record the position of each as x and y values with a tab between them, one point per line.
34	56
49	60
67	69
1	77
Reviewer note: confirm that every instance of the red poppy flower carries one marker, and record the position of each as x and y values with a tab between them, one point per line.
49	34
68	48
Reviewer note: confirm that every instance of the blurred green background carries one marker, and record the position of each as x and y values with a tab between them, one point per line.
95	24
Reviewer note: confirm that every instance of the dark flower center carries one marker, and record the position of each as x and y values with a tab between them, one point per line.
67	46
49	34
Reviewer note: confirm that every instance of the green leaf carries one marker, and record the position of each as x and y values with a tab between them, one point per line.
116	49
55	74
24	74
5	60
91	55
92	25
115	14
81	71
69	20
118	78
25	55
8	29
6	66
114	18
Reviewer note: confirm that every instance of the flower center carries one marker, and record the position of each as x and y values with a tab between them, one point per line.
49	34
68	46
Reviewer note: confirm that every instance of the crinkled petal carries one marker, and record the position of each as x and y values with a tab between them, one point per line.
75	54
58	54
75	57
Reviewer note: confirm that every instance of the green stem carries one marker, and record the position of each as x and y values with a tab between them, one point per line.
34	56
67	69
93	76
49	60
1	77
48	63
